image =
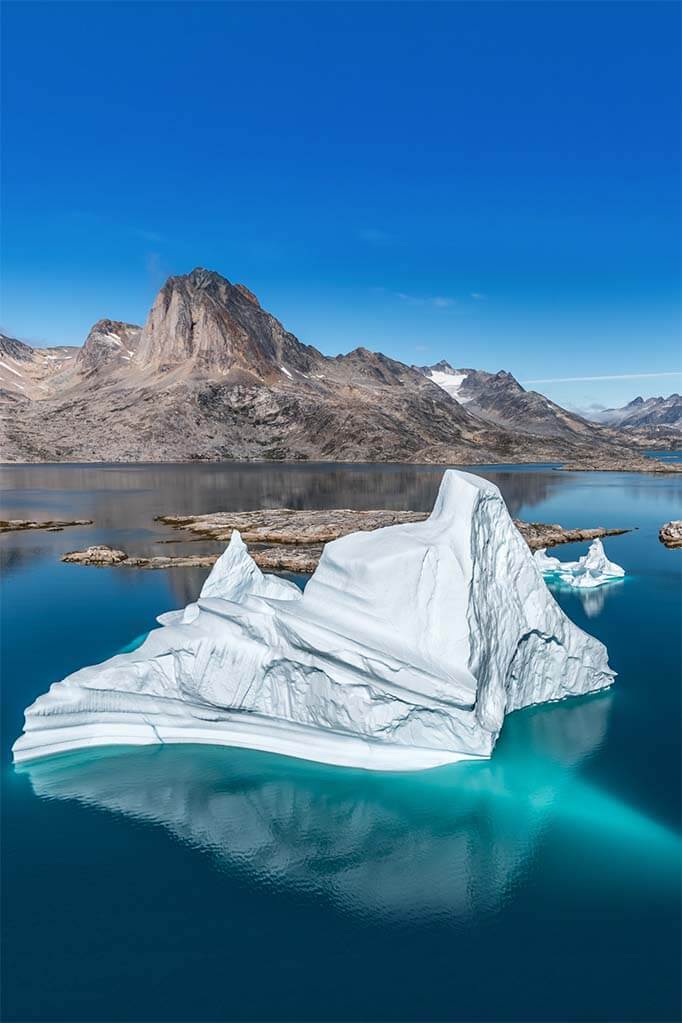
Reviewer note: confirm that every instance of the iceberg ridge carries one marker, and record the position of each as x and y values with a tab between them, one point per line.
405	651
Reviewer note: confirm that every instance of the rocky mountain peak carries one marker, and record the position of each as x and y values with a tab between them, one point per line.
15	349
203	324
439	367
199	277
506	381
658	413
109	343
212	283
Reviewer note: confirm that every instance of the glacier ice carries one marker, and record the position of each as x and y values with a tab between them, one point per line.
546	564
405	651
593	569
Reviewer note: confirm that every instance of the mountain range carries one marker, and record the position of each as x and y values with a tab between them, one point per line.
653	414
212	375
498	398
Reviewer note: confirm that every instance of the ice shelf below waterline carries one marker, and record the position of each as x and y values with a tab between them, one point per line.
253	732
591	570
406	650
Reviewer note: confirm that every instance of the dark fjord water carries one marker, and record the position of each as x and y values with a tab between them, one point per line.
190	883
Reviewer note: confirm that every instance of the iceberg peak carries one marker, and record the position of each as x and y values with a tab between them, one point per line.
236	575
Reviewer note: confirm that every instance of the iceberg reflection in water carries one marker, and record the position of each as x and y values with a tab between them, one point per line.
450	842
593	600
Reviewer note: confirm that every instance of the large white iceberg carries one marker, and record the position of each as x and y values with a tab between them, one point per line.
406	650
593	569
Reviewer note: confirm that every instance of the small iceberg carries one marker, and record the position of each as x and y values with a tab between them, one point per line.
405	651
593	569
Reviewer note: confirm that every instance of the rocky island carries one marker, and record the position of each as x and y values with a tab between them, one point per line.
291	526
298	537
12	525
625	462
671	533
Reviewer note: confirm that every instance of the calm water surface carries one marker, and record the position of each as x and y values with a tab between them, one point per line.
190	883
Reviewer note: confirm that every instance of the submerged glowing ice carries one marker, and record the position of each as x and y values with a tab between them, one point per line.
406	650
593	569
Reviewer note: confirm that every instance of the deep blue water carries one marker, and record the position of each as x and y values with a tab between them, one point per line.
190	883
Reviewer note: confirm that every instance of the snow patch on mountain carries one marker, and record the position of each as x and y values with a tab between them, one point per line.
450	382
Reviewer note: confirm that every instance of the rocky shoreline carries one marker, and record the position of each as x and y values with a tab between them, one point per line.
290	527
634	464
53	525
671	534
297	538
287	525
531	458
302	560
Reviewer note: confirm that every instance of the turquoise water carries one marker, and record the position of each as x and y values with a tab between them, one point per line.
190	883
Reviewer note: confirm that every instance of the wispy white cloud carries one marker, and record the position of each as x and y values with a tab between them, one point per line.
156	272
478	295
608	376
437	301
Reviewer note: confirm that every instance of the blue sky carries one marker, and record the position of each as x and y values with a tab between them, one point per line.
494	184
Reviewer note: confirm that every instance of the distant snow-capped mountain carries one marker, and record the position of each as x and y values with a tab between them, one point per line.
641	412
499	399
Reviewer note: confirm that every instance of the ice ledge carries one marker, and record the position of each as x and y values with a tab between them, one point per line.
286	738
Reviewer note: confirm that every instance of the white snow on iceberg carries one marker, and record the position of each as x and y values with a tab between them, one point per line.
546	564
406	650
593	569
